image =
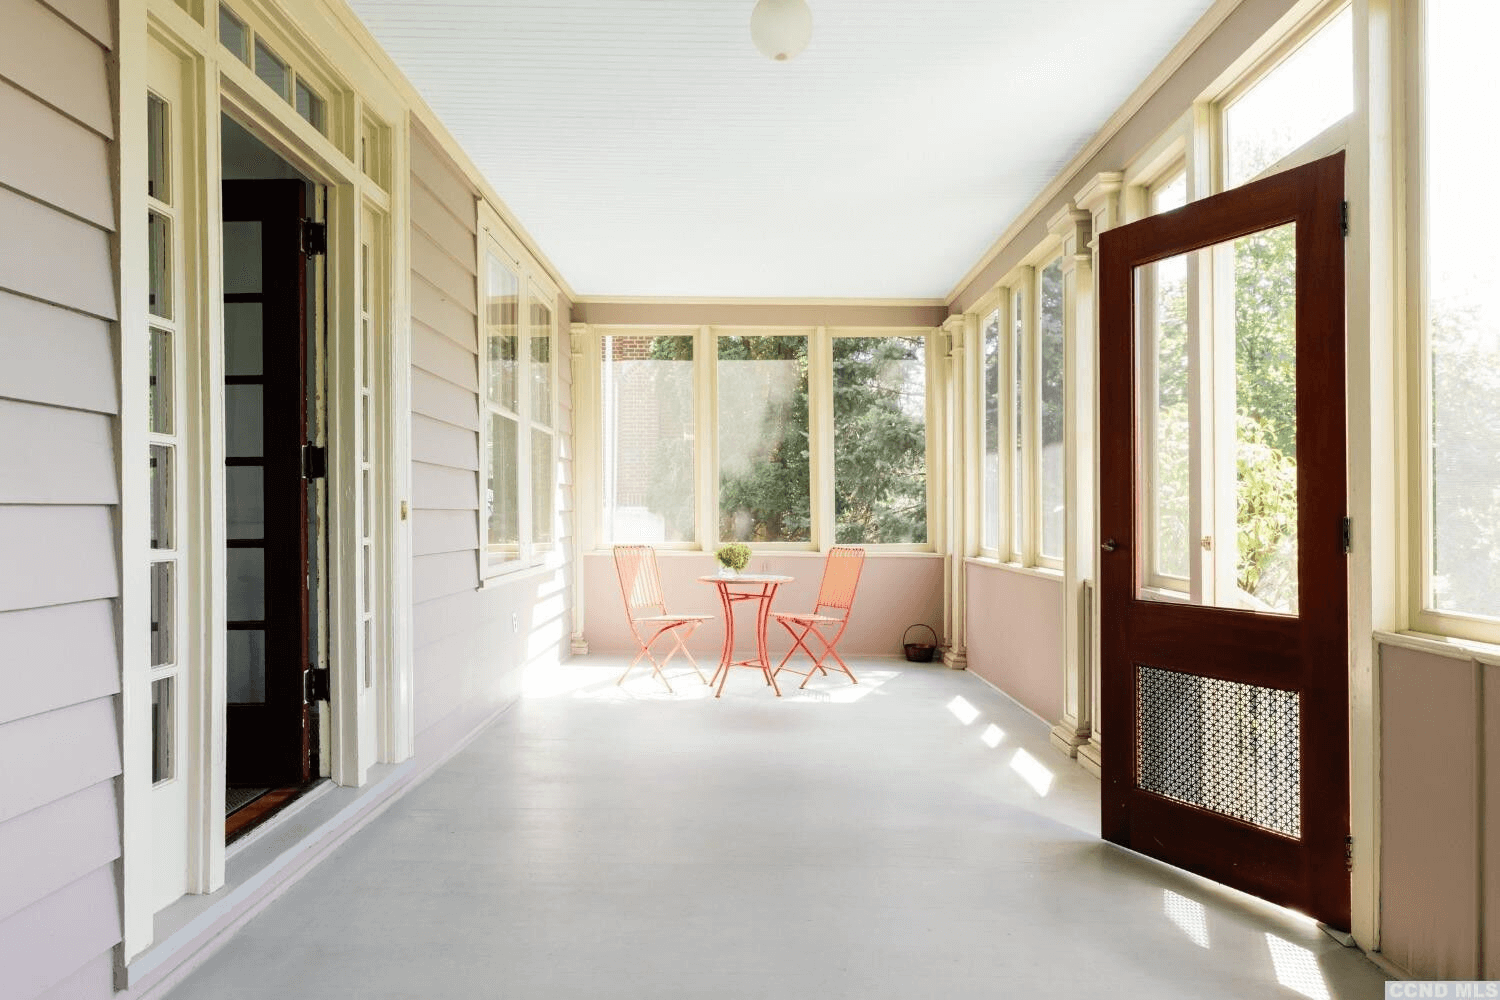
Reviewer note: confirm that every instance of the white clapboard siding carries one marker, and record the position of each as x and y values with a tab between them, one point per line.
437	531
56	844
442	574
449	231
55	657
91	16
442	400
433	309
64	752
56	555
437	487
94	979
61	162
438	174
55	257
56	356
438	443
443	272
437	355
36	44
49	941
49	455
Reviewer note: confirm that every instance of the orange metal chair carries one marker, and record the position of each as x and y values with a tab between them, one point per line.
836	596
640	585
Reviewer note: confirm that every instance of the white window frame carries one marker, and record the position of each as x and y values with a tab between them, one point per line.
820	431
1424	617
532	286
996	304
1033	423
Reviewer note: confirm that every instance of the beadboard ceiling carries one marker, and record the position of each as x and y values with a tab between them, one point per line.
650	150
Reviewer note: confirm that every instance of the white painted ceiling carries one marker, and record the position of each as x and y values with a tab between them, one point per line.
652	151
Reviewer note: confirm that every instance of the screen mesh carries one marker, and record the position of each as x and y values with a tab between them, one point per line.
1224	746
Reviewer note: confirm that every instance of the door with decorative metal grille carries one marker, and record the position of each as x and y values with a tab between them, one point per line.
1223	578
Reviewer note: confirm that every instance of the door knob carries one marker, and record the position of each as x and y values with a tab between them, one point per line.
1108	545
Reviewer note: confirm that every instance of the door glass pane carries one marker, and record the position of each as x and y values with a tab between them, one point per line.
1463	314
1053	396
162	598
161	496
764	491
247	666
1265	422
649	435
160	394
502	318
989	373
880	440
1165	437
1309	91
242	338
162	729
157	147
244	501
504	493
541	364
243	421
242	260
159	264
542	490
246	571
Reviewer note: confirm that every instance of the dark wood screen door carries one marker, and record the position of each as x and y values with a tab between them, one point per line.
269	740
1224	607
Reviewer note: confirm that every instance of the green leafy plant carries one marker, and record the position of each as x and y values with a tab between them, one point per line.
735	556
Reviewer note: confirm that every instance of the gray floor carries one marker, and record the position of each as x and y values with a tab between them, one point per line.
915	836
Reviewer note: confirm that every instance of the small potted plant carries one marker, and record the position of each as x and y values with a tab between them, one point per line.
732	558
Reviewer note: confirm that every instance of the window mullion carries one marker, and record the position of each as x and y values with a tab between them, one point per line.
820	440
706	393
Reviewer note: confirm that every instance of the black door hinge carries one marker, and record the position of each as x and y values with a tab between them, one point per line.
1349	853
314	461
314	238
1348	534
1344	217
318	684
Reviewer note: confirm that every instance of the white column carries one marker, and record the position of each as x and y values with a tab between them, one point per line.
958	471
586	423
1100	201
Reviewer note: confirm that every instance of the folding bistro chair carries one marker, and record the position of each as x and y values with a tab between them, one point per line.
836	597
640	585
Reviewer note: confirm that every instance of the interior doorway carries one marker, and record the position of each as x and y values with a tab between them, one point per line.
1222	467
275	500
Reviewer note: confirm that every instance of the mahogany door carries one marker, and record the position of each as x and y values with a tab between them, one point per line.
269	740
1223	582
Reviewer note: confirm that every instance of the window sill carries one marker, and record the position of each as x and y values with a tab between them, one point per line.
518	575
1041	572
1458	649
871	552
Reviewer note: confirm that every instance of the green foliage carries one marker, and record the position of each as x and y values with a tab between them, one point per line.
1267	516
735	555
880	440
764	486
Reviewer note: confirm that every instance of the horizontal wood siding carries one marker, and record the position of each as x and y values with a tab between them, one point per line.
59	491
471	642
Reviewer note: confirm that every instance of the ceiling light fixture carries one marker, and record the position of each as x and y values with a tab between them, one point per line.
781	28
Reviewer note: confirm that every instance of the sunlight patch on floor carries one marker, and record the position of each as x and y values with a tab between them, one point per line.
1033	771
1189	916
1297	968
963	710
992	735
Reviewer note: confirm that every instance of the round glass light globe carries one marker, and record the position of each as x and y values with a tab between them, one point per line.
781	28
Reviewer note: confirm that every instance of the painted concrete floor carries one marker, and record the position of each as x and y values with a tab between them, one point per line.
912	837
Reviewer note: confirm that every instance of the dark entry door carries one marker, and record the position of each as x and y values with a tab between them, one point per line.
265	419
1223	583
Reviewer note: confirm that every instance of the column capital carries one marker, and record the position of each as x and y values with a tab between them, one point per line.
1100	197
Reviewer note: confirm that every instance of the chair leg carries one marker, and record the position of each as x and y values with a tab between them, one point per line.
797	644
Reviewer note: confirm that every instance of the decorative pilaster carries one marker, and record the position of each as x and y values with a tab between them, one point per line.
586	420
1100	199
956	330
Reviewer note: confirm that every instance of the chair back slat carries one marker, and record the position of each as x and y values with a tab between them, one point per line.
840	577
640	580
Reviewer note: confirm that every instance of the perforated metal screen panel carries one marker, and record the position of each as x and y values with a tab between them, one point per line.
1231	748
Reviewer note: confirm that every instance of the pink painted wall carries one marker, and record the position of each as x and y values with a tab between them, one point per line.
1015	635
895	590
1438	830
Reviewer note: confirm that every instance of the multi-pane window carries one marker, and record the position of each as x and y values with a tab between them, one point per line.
767	399
1166	365
649	437
274	71
991	411
1308	91
1050	462
764	459
880	440
164	448
1020	475
1458	451
518	423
